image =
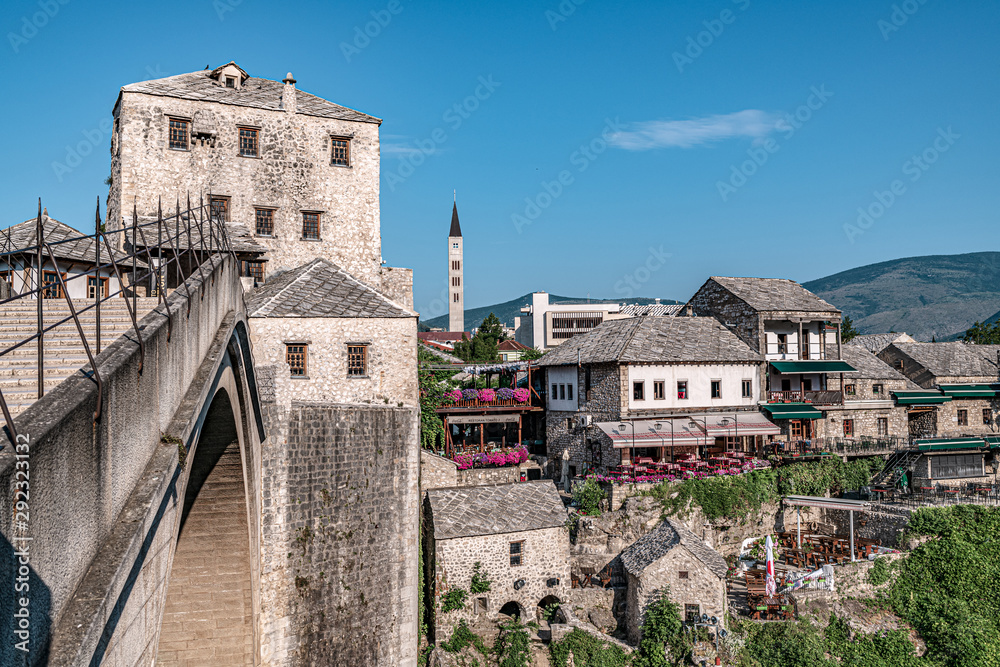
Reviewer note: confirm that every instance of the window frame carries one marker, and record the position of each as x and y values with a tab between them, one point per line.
962	415
715	389
848	428
683	574
257	210
683	386
987	416
746	388
304	351
882	426
102	282
52	289
319	226
516	554
351	365
256	140
851	389
176	146
638	390
562	391
347	148
247	272
878	389
224	199
659	390
569	391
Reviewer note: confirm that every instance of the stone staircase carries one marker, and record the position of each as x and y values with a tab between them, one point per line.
64	352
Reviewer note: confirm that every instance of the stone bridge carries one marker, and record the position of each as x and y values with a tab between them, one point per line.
137	536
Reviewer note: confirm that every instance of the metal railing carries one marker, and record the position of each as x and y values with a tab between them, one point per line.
186	259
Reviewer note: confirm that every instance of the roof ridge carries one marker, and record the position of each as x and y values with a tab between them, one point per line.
266	308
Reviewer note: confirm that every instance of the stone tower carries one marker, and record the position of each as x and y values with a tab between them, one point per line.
456	297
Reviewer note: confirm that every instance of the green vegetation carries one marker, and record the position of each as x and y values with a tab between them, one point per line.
983	333
454	600
461	638
740	495
531	354
513	645
483	346
588	651
663	635
433	385
480	582
588	495
847	330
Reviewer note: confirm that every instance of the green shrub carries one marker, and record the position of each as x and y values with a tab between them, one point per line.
461	637
480	582
662	634
513	645
588	495
454	600
588	651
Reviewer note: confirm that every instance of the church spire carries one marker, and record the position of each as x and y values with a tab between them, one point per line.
456	229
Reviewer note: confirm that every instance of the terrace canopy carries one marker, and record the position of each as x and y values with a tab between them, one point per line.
943	444
920	397
644	433
851	506
792	411
970	390
812	366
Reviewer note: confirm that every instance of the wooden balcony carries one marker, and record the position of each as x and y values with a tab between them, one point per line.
498	403
815	397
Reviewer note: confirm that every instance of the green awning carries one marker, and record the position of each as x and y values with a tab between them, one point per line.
812	366
792	411
971	390
993	441
938	444
904	397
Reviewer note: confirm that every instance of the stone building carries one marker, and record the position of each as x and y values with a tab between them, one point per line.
868	409
340	340
875	343
672	559
797	333
961	384
516	532
299	172
685	373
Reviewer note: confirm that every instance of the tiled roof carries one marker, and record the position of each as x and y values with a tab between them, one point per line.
770	294
654	545
443	336
653	339
66	243
954	359
511	346
869	367
656	309
492	510
256	93
875	343
319	289
456	229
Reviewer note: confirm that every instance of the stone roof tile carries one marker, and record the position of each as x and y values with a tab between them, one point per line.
774	294
956	359
491	510
654	545
870	367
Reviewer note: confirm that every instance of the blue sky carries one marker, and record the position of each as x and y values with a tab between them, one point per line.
690	139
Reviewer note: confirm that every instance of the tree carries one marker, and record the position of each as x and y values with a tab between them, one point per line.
531	354
663	635
847	330
483	346
983	333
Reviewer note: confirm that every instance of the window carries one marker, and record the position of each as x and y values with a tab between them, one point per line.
340	153
555	392
8	277
310	226
848	428
454	297
795	428
878	389
883	426
94	284
638	391
456	265
456	281
516	551
963	417
952	467
178	134
562	392
987	416
782	343
804	345
357	360
455	246
682	574
716	388
265	221
692	613
253	270
295	356
682	390
482	605
850	390
220	208
230	82
569	392
658	394
53	290
248	142
747	389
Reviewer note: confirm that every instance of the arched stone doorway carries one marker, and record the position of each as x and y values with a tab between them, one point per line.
512	609
208	616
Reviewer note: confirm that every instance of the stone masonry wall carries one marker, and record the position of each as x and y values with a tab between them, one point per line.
947	417
590	446
292	174
545	556
713	299
865	422
397	284
340	510
392	357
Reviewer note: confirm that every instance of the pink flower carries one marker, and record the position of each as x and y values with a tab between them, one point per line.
487	395
521	395
455	395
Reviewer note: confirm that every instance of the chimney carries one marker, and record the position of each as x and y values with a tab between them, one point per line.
288	94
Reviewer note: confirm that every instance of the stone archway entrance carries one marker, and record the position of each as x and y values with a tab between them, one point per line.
208	616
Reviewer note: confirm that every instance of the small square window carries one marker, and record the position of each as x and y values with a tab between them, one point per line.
357	360
716	388
253	270
682	390
53	290
295	356
264	218
455	246
516	552
638	391
658	393
848	428
310	226
878	389
248	142
230	82
219	208
340	153
682	574
692	613
963	417
747	388
883	426
178	134
851	390
987	416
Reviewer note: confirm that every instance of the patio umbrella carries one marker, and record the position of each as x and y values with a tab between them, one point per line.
770	586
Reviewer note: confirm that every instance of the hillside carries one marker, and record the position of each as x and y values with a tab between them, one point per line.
508	310
936	295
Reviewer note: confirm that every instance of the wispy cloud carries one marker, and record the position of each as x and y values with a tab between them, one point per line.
751	123
393	148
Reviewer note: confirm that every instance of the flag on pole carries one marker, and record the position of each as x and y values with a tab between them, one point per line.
770	585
